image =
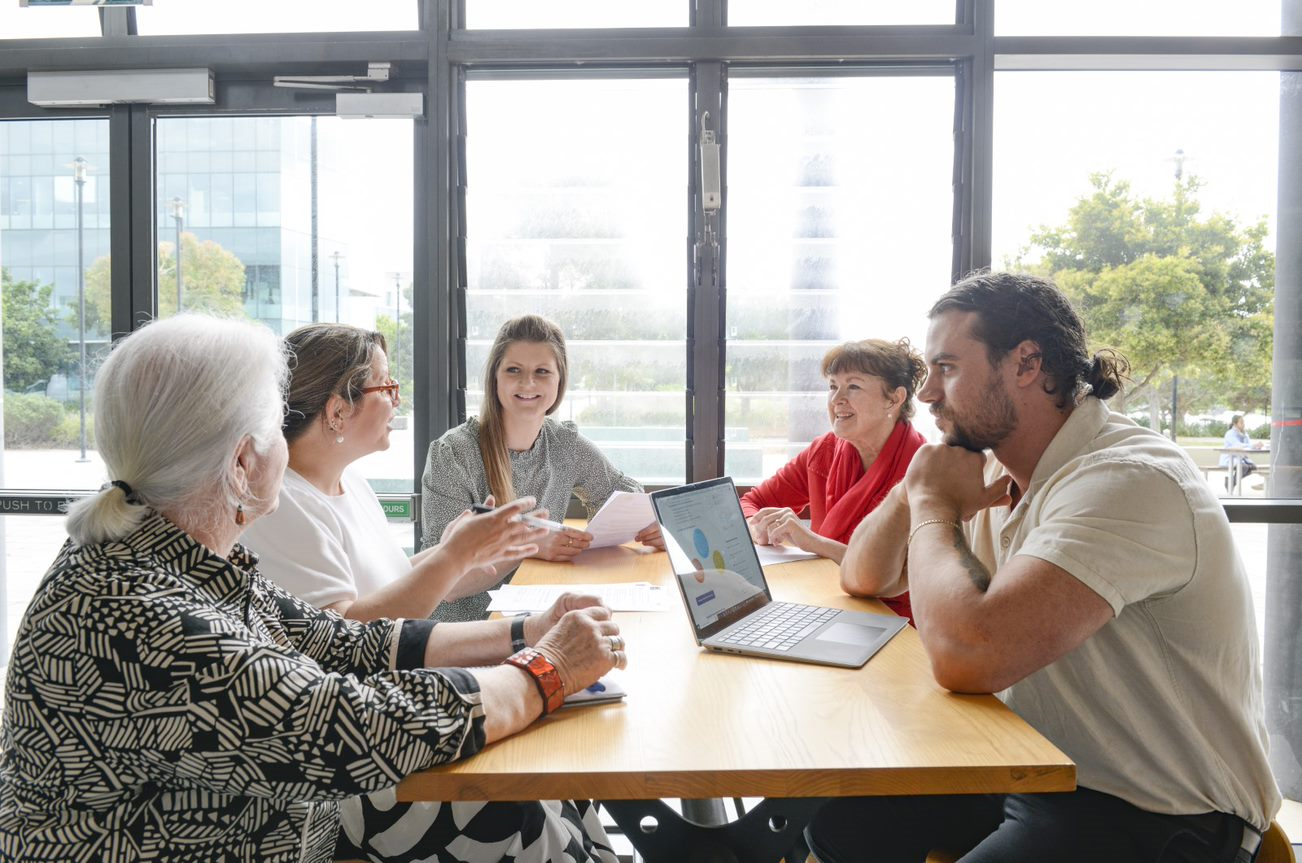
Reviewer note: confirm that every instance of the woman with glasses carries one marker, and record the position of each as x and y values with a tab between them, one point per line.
165	701
329	544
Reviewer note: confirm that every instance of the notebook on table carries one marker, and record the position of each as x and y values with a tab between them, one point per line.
728	600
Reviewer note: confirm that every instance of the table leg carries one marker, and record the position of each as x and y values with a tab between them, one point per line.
763	835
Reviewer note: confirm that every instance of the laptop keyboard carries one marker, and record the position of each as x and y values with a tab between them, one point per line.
778	626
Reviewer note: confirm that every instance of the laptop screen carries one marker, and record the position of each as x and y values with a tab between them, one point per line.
711	552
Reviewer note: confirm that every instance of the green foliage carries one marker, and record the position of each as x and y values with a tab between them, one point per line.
399	337
212	280
1176	292
67	435
31	420
33	350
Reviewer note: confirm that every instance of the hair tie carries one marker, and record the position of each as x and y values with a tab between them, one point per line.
126	489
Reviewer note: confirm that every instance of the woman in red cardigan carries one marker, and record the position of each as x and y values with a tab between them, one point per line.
844	474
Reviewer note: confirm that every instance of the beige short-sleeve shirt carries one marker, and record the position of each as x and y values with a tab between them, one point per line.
1163	705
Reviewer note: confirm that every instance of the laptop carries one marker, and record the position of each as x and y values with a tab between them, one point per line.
727	598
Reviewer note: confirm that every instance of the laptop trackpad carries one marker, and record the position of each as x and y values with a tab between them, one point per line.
850	633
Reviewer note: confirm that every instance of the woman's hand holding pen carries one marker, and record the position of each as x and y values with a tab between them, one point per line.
482	539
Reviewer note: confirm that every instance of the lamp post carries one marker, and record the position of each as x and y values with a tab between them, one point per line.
397	325
178	218
1178	159
79	167
339	312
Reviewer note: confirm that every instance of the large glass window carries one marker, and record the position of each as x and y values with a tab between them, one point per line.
291	220
577	210
1151	197
751	13
283	16
33	22
1150	18
531	15
54	221
840	208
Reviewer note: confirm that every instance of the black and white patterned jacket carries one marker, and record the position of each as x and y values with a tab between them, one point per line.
163	703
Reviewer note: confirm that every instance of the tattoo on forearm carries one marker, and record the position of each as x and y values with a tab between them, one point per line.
976	570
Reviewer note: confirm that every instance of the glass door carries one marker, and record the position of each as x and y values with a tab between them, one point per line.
290	221
54	236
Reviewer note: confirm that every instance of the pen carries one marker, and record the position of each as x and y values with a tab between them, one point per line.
554	526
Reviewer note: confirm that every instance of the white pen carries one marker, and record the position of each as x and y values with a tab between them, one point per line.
554	526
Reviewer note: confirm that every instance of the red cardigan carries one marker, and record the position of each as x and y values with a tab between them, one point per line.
829	479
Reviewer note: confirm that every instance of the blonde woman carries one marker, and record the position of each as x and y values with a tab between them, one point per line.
515	448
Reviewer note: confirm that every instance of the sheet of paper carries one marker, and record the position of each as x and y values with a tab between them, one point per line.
620	518
771	555
620	596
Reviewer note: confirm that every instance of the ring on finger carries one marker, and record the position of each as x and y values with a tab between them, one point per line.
621	659
616	642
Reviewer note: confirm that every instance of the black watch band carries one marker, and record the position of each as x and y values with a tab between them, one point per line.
517	633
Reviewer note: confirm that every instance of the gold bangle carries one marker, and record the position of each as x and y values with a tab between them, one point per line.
923	524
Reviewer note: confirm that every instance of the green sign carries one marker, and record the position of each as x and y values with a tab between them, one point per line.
397	510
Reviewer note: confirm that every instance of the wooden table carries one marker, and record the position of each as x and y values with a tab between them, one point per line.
699	724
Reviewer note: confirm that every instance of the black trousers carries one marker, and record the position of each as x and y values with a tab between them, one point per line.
1082	826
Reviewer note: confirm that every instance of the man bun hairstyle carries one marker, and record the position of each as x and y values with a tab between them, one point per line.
1011	308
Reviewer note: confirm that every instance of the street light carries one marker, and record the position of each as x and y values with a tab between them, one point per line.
339	314
397	325
1179	159
178	217
79	167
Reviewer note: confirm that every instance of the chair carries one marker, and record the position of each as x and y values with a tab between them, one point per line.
1275	847
942	857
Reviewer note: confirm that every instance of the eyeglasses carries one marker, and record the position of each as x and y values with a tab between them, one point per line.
390	389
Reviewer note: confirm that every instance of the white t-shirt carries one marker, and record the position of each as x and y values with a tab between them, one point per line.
1163	706
326	548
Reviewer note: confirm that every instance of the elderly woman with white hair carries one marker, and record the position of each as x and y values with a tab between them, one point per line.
166	702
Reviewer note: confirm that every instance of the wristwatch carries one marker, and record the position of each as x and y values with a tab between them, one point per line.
517	634
544	675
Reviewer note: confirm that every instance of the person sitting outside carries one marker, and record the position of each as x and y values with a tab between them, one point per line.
166	702
1239	466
